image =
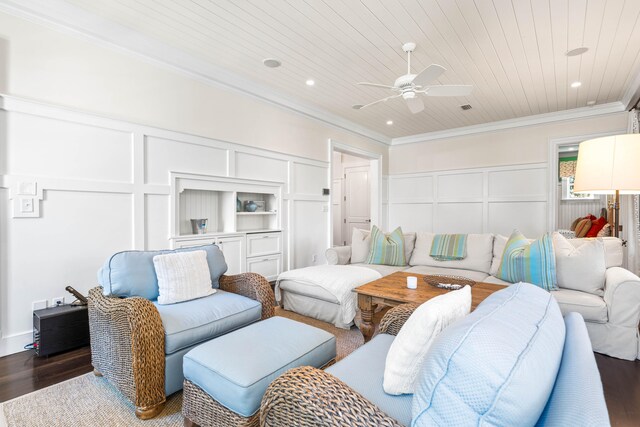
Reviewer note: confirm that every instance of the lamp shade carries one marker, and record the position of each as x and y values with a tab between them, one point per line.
608	164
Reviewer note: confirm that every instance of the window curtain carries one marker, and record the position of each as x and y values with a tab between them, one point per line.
630	212
567	167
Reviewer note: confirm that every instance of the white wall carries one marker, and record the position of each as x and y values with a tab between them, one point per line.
103	131
498	148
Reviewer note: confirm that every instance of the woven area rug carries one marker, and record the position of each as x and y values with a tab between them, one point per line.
90	401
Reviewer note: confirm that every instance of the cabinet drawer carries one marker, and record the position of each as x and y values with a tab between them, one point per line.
193	242
264	244
268	266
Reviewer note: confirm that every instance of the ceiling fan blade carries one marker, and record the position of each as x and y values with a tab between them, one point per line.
429	74
379	100
375	85
449	90
415	105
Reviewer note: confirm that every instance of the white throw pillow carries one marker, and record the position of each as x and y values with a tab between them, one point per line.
582	268
182	276
407	352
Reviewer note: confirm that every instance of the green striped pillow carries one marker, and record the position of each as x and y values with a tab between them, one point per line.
386	249
533	262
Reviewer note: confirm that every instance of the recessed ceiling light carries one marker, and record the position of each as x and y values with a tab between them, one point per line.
576	84
272	63
577	51
310	82
357	106
590	103
389	122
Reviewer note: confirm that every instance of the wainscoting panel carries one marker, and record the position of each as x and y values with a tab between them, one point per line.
310	221
523	183
309	180
483	200
460	186
407	189
411	216
528	217
156	222
164	155
40	146
252	166
459	218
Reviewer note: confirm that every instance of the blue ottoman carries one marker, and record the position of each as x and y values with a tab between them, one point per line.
225	378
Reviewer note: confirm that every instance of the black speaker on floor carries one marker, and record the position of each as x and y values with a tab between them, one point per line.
61	328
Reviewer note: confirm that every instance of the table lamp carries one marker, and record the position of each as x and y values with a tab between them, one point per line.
609	165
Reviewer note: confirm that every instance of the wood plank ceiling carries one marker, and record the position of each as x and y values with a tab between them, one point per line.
511	51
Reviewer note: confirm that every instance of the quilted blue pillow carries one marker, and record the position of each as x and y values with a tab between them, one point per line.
497	366
132	274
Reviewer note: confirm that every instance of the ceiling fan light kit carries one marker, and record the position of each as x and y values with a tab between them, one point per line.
409	85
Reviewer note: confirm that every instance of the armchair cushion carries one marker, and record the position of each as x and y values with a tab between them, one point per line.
591	307
132	273
363	371
191	322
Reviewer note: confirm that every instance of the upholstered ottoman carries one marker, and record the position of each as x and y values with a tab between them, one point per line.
225	378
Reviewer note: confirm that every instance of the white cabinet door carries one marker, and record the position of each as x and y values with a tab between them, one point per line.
193	242
268	266
260	244
234	253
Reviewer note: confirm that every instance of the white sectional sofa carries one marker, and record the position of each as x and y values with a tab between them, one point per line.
612	313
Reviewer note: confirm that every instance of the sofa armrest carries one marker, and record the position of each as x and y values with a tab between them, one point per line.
311	397
254	286
127	347
338	255
395	318
622	296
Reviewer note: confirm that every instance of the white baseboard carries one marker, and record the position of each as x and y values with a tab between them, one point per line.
15	343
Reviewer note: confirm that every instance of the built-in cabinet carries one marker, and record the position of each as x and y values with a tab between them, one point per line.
250	237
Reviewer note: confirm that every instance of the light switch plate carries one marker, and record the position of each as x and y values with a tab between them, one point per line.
26	205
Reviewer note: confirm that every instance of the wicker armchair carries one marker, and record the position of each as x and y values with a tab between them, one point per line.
309	397
127	340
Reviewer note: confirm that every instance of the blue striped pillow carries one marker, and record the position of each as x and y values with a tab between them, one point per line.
533	262
387	249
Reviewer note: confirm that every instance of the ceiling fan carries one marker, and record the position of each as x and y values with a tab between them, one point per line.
410	85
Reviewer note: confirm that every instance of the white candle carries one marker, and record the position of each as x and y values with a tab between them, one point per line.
412	282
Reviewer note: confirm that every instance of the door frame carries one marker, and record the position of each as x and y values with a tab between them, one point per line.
554	147
375	181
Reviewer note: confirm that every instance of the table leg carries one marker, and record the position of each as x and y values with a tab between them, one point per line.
366	313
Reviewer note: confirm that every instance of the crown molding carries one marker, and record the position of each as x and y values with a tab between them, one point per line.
62	16
557	116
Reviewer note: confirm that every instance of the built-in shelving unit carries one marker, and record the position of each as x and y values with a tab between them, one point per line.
222	201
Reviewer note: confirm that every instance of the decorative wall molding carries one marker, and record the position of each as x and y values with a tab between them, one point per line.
471	200
558	116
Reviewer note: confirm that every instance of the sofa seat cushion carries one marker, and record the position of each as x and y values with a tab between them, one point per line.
306	289
384	270
363	371
591	307
190	322
235	369
478	276
577	398
497	366
479	253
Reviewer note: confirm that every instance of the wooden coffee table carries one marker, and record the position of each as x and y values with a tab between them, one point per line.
392	290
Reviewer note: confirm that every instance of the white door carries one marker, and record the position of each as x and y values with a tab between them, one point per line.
336	212
357	201
234	253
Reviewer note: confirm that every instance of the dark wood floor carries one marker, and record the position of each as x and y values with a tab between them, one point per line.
23	373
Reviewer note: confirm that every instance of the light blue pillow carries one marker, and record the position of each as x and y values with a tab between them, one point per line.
497	366
387	249
132	274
